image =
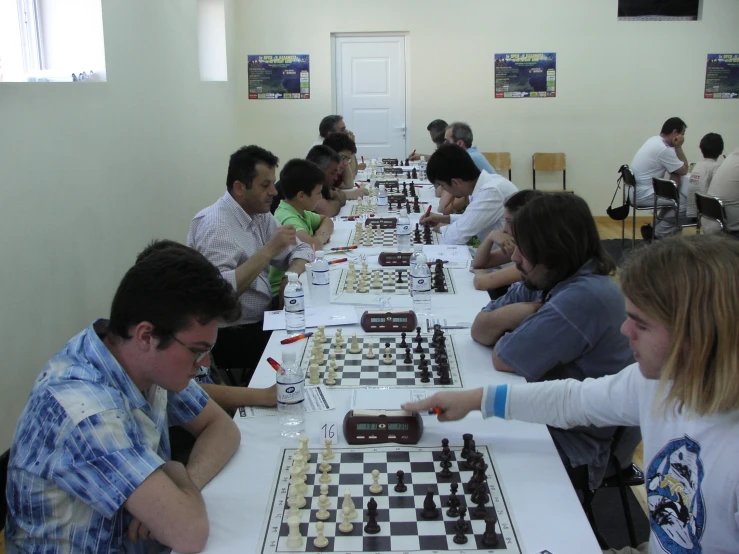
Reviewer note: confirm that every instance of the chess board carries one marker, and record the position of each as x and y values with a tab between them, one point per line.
387	287
356	370
394	211
388	238
402	529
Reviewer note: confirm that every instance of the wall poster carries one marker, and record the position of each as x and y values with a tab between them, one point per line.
279	77
722	76
526	75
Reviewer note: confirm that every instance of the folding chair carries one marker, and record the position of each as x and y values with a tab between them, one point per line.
710	207
501	161
549	161
668	190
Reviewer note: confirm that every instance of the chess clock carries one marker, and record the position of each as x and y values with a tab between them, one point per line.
383	321
381	222
390	259
381	426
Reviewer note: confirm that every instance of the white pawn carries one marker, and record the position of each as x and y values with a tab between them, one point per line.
345	526
332	357
324	489
320	541
370	353
324	464
388	359
303	449
339	338
375	487
332	367
294	538
348	504
322	513
355	349
325	478
295	501
314	379
331	377
329	452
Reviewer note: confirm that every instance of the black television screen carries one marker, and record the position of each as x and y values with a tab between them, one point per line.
685	10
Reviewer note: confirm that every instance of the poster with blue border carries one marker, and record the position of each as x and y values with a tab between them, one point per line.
722	76
532	75
277	77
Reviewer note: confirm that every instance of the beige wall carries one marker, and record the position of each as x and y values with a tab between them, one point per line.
89	173
616	81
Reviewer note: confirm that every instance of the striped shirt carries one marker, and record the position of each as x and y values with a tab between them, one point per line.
226	235
85	441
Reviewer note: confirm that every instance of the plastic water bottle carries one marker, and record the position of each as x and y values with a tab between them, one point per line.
417	249
290	396
382	200
421	285
403	229
294	305
320	279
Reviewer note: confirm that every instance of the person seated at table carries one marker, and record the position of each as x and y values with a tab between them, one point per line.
712	146
660	155
335	124
563	320
345	147
682	298
302	182
436	131
242	239
332	199
725	185
452	169
461	134
90	467
486	257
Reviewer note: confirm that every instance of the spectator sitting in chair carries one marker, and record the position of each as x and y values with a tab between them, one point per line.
712	146
725	185
562	321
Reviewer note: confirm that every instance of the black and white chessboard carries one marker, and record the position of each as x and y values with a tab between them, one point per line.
392	209
402	529
387	238
356	370
388	286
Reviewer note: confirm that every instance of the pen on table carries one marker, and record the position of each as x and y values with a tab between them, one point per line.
276	366
342	248
362	159
412	154
337	261
428	212
296	338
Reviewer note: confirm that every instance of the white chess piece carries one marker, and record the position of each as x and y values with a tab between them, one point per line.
339	338
375	487
329	452
332	357
331	377
332	366
320	541
324	464
370	353
314	379
355	349
295	501
322	513
294	538
303	449
345	526
325	478
324	489
348	504
388	359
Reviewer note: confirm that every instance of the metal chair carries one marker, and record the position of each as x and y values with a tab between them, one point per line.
668	190
710	207
629	181
501	161
549	161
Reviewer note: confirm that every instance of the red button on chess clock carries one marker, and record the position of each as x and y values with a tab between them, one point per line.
381	426
394	321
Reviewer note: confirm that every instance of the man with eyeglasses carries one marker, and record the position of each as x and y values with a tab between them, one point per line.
344	146
90	467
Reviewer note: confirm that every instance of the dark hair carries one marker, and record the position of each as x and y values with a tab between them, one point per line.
451	161
673	124
170	285
339	142
322	156
461	131
437	126
243	164
517	201
712	146
438	139
328	124
558	231
300	176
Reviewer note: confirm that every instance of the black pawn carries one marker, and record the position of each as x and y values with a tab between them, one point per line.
403	344
453	504
400	277
424	363
461	525
425	375
467	437
414	174
430	511
445	377
408	358
445	445
418	349
400	487
453	488
490	537
418	338
372	527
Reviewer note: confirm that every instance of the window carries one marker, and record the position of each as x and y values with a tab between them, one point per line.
212	40
49	40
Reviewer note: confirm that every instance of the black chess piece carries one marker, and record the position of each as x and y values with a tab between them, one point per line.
403	344
414	174
481	493
412	190
416	206
418	349
445	445
372	527
425	375
408	174
418	338
401	486
405	190
461	524
400	277
408	206
445	377
445	471
490	537
423	364
467	437
460	537
430	511
408	358
453	495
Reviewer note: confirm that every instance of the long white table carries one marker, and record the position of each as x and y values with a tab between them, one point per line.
545	510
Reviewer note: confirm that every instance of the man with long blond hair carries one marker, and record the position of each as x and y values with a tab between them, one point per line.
682	300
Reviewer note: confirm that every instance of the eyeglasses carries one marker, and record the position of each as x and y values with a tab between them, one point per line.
199	354
345	159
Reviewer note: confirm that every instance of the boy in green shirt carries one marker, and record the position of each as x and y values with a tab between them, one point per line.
301	182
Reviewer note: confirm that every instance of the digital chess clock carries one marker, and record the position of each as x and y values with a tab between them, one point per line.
380	426
395	321
381	222
389	259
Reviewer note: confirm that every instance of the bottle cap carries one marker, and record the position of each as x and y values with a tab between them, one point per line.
289	357
319	254
291	276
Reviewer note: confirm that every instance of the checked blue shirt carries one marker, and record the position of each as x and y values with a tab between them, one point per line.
85	441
